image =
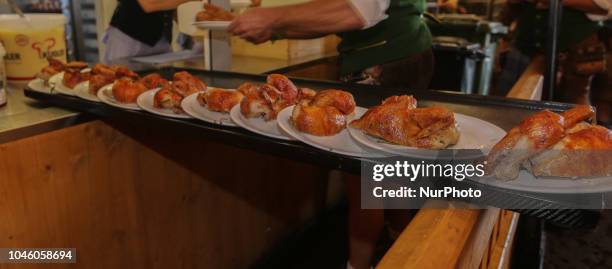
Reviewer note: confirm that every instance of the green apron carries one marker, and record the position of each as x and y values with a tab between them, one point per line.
402	34
530	36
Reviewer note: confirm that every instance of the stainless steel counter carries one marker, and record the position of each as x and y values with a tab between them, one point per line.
23	117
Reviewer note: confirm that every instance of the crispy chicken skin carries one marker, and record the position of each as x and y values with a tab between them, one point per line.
551	144
126	90
73	74
397	120
326	114
586	151
153	81
533	135
269	99
167	98
192	84
55	66
102	75
213	13
220	100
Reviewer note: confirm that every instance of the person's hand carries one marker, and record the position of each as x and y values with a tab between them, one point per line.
255	25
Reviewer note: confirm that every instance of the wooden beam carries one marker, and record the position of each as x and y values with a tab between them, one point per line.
530	84
476	247
434	239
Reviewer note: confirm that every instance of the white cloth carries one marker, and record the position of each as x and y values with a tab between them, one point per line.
605	5
371	11
120	45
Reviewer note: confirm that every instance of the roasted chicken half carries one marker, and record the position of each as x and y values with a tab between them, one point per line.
214	13
154	81
102	75
220	100
585	151
74	74
269	99
399	121
168	98
55	66
126	90
326	114
187	83
546	139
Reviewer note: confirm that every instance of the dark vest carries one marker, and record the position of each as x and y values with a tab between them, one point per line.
401	35
147	28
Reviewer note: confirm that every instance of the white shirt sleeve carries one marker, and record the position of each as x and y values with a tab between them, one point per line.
605	5
374	11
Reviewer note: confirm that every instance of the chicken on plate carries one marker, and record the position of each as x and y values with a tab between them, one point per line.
102	75
399	121
74	74
324	115
214	13
557	145
220	100
269	99
172	94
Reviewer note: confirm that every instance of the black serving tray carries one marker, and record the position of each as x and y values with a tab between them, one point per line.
503	112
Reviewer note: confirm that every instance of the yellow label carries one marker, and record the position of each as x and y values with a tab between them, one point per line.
27	51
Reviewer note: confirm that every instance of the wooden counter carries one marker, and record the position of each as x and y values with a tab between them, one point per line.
159	201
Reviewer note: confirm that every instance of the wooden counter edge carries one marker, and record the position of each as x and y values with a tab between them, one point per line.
529	85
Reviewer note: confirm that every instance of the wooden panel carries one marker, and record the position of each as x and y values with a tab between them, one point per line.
160	201
434	239
529	86
477	245
502	240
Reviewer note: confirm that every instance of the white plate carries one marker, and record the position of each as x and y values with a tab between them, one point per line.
38	85
474	134
340	143
105	94
192	107
82	90
527	182
213	25
57	81
145	101
258	125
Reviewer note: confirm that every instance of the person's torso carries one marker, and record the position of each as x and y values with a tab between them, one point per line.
531	32
402	34
148	28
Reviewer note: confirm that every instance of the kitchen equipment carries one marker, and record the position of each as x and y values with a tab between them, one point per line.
30	41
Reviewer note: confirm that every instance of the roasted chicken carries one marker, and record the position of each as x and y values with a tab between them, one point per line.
214	13
220	100
399	121
102	75
172	94
326	114
126	90
154	81
551	144
55	66
268	99
168	98
74	74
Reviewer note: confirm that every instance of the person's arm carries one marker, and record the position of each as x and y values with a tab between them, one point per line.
160	5
588	6
308	20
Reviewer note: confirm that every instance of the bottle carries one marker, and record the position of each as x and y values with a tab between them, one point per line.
2	77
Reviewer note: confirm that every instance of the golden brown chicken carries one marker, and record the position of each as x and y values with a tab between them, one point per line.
74	74
188	84
326	114
220	100
154	81
167	98
55	66
126	90
214	13
531	137
102	75
585	151
269	99
397	120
